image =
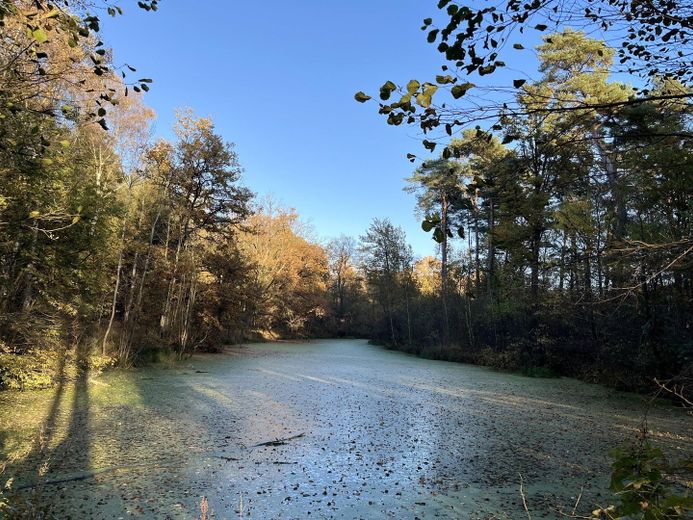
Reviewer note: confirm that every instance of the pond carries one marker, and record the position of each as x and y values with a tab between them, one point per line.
363	433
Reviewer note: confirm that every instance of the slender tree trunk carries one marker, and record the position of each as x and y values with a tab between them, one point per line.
598	259
490	277
98	159
123	351
589	297
477	264
114	302
28	293
561	267
406	301
444	268
187	311
534	266
168	236
340	294
165	315
618	198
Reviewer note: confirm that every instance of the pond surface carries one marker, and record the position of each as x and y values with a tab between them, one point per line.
372	434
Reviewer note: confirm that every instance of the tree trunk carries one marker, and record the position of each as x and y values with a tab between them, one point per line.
115	290
477	265
618	197
406	301
444	268
534	266
561	267
28	293
490	276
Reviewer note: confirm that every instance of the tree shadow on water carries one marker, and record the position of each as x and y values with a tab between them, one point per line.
36	459
51	462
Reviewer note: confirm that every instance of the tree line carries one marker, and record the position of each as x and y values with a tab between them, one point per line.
564	247
114	247
567	245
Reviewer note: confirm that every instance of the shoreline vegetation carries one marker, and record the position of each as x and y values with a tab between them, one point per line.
565	249
39	372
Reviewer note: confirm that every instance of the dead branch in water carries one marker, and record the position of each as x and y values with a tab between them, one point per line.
278	442
524	500
678	389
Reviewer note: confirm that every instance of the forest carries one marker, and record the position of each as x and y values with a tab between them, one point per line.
564	234
558	202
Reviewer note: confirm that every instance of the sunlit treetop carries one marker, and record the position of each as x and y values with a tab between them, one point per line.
37	34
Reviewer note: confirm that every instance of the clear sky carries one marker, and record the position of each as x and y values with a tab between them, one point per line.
278	79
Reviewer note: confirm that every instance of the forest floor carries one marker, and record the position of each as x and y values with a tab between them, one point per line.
363	433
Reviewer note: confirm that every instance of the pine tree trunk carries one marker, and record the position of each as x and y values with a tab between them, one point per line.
444	269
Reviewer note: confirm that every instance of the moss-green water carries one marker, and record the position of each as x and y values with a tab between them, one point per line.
385	436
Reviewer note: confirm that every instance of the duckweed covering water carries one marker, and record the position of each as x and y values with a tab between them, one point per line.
385	435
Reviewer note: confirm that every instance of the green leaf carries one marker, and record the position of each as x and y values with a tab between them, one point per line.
540	27
413	86
39	35
361	97
519	82
395	119
444	80
387	89
427	225
460	90
426	95
518	46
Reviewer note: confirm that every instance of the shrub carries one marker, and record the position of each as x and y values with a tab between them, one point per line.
641	481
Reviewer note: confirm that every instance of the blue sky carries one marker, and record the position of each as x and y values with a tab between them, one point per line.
278	79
